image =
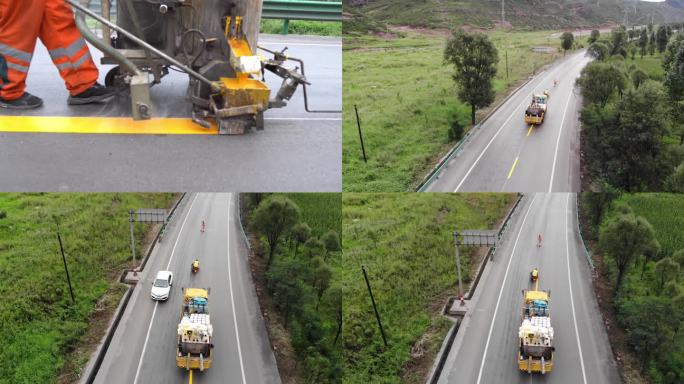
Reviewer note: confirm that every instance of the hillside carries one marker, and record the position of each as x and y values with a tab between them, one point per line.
363	16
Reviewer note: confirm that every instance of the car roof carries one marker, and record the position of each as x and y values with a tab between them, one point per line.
164	274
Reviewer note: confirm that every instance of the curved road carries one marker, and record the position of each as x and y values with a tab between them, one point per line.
485	348
143	346
505	154
297	151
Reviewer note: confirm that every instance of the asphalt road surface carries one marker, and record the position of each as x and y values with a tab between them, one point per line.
505	154
486	346
143	348
297	151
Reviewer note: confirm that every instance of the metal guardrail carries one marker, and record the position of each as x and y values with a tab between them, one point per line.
280	10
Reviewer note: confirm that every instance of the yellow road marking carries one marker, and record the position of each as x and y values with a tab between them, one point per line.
510	173
530	130
107	125
190	380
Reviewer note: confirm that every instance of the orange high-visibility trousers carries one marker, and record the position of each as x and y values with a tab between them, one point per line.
21	23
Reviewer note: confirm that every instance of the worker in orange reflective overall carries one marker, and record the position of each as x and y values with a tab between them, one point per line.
21	23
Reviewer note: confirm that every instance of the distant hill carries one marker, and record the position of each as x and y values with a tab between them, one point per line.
363	16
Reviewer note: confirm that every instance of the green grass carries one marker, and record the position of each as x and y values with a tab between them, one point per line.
405	242
321	211
523	14
665	212
303	27
407	100
652	65
39	324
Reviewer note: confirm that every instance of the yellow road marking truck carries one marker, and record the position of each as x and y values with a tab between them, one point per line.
535	352
195	343
535	113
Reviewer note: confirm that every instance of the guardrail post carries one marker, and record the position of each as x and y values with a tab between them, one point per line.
286	26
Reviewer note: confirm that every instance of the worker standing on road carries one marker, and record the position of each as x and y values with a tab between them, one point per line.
21	24
539	240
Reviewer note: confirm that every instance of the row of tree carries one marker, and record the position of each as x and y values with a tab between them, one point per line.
627	116
648	294
299	279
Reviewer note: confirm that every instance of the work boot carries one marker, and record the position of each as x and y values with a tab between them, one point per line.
26	101
95	94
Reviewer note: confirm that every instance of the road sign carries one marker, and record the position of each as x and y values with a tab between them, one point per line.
151	215
477	238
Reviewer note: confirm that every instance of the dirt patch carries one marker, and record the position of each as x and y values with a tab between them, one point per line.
420	30
628	364
286	358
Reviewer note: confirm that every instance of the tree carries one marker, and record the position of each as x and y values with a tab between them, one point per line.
675	182
643	42
638	77
284	280
636	159
332	241
666	270
678	256
652	44
596	204
599	81
273	218
661	39
300	234
475	59
335	295
623	238
314	247
673	64
594	36
645	319
567	38
618	40
322	276
598	51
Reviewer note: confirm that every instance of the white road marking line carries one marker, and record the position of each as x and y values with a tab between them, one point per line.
499	131
232	299
305	118
496	309
572	302
154	312
560	133
285	43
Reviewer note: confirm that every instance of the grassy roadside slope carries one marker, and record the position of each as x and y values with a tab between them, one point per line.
39	324
405	242
522	14
407	102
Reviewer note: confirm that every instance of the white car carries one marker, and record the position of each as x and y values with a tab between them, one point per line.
162	285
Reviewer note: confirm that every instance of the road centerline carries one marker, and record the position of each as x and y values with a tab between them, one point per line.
510	173
503	284
154	312
572	301
230	288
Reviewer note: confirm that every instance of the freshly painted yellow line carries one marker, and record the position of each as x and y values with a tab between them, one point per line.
109	125
190	380
530	130
513	168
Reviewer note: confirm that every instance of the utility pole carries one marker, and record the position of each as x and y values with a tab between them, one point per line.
506	65
131	221
458	266
503	13
375	308
66	270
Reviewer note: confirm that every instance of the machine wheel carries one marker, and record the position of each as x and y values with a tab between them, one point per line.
115	78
